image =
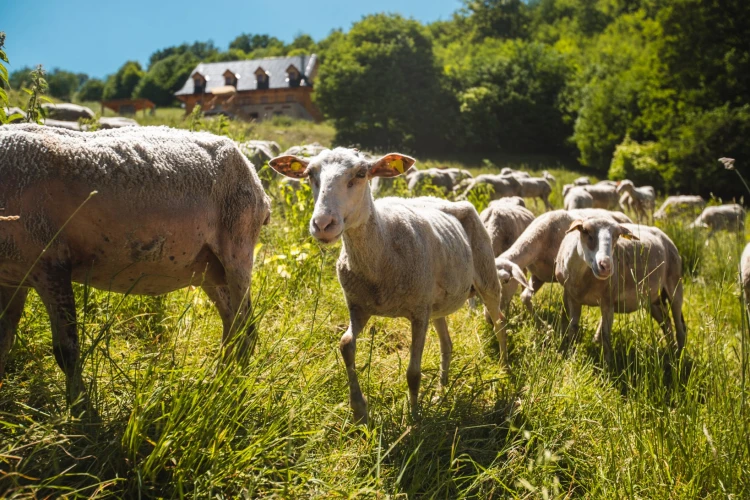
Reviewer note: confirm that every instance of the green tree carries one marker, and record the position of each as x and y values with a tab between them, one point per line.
91	90
122	84
382	87
63	84
249	43
165	77
201	50
20	78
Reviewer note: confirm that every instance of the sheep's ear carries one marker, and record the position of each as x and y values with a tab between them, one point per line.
627	234
290	166
576	225
518	276
391	165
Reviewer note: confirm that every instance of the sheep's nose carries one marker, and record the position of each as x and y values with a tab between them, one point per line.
325	227
605	265
322	223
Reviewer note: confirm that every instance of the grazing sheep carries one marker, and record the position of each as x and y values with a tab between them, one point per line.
511	171
536	250
723	217
504	223
602	263
548	177
604	194
680	205
578	197
745	274
536	187
439	178
414	258
640	200
582	181
172	209
458	175
502	186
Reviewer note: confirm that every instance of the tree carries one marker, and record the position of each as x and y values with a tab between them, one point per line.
92	90
248	43
20	78
302	44
63	84
165	77
201	50
381	86
122	84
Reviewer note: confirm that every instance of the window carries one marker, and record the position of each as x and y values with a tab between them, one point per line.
199	84
254	116
261	77
293	76
230	78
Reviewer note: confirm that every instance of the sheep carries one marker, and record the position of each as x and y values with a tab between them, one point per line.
548	177
536	250
536	187
439	178
745	274
172	209
680	205
604	195
415	258
510	200
578	197
504	223
502	186
641	200
723	217
613	266
582	181
458	175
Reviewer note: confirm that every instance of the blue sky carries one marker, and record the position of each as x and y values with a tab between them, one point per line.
98	36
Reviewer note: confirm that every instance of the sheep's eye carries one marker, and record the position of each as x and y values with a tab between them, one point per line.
361	174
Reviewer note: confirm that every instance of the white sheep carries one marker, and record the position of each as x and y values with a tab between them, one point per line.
536	250
505	221
729	217
618	267
502	186
604	194
639	200
577	197
582	181
172	209
536	187
680	205
414	258
440	178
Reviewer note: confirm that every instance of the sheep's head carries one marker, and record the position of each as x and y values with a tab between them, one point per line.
339	181
597	239
625	186
510	276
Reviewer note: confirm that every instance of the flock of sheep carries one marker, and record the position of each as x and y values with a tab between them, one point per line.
150	210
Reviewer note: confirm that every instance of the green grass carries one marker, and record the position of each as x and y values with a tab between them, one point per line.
177	422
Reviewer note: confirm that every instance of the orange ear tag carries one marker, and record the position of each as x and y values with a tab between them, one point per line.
296	166
398	165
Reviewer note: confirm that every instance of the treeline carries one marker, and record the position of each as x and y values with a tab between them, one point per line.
653	90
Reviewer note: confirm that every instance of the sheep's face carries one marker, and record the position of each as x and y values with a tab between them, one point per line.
625	186
509	275
597	239
339	181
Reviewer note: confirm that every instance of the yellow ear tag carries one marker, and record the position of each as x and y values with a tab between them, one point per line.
296	166
398	164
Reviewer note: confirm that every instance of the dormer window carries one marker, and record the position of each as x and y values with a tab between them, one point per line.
199	83
293	76
261	77
230	78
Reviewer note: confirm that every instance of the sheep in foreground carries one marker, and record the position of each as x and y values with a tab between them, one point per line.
721	218
173	208
604	195
536	250
618	267
504	223
639	200
414	258
680	205
577	197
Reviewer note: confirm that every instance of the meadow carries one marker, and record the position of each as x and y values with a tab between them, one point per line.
177	422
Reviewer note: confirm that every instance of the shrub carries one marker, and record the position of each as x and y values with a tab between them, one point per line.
641	162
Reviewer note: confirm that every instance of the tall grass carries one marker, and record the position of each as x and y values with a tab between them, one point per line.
176	421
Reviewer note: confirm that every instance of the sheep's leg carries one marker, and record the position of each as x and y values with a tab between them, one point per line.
12	301
238	284
419	325
528	294
608	318
56	291
219	295
658	313
348	347
547	204
446	349
572	311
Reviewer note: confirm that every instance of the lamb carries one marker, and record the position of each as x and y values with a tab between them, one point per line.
172	209
536	250
723	217
604	195
413	258
602	263
641	200
680	205
578	197
504	223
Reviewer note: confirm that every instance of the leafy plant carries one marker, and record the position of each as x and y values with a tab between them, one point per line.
38	87
480	196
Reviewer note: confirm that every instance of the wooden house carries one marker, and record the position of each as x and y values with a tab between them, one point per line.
254	89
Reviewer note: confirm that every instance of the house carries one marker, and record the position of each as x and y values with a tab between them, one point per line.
254	89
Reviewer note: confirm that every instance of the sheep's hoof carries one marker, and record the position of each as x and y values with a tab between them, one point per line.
359	409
